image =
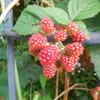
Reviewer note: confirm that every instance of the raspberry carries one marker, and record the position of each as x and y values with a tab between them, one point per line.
75	58
74	49
47	25
94	94
33	52
48	55
49	71
67	63
72	28
59	27
60	35
97	89
79	36
36	43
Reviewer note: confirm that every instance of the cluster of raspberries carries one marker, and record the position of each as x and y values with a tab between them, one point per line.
49	55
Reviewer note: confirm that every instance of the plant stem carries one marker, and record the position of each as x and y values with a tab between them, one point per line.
6	11
57	83
47	3
72	87
31	83
2	5
18	88
37	94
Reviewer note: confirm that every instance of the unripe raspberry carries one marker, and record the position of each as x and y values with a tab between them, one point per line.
60	35
67	63
74	49
59	27
48	55
49	71
72	28
36	43
47	25
76	59
79	36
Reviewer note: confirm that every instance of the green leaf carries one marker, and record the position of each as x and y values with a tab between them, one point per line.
63	4
4	84
82	27
95	57
24	25
28	22
82	9
26	2
30	71
42	81
58	14
47	97
36	11
93	24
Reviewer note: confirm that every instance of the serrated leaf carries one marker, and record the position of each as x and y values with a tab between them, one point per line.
36	11
28	22
58	14
82	27
24	25
82	9
95	57
42	81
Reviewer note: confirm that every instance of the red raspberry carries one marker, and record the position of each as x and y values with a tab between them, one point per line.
48	55
79	36
97	89
33	52
72	28
60	35
47	25
94	94
59	27
76	59
49	71
67	63
36	43
74	49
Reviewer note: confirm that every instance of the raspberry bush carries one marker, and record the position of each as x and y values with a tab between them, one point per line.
57	30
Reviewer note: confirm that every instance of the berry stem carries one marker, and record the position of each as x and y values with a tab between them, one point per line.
47	3
72	87
57	83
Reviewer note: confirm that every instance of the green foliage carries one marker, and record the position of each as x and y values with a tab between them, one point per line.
26	2
58	14
82	27
95	57
4	84
62	4
2	51
28	22
42	81
47	97
82	9
30	71
93	24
